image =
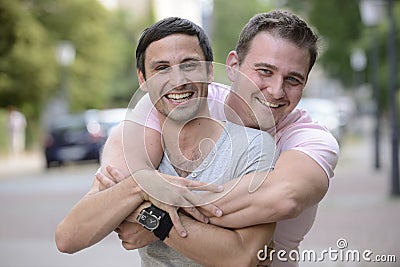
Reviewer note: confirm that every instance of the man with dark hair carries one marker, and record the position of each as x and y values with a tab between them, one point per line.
173	53
276	51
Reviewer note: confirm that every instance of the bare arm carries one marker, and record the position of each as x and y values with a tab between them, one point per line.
98	213
208	244
204	243
296	183
211	245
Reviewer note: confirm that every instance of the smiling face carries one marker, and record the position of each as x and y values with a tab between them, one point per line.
177	76
278	70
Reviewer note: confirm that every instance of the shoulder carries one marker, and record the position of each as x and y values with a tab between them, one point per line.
299	132
218	91
298	127
255	137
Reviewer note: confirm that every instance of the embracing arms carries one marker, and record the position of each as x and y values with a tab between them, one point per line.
296	183
98	213
102	209
207	244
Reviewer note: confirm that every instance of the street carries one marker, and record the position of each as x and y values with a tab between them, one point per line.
357	210
31	207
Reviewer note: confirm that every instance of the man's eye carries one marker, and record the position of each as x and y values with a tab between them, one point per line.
163	68
264	71
293	81
188	66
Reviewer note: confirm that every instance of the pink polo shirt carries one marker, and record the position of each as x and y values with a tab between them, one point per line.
296	131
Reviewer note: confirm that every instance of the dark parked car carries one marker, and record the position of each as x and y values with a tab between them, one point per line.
74	137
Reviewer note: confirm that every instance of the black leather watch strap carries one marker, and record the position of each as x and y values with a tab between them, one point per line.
165	226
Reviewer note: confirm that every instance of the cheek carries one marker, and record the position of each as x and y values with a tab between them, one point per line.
294	95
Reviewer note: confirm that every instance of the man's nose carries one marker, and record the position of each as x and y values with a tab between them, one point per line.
276	88
176	76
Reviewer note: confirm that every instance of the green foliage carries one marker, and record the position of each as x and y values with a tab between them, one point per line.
339	23
102	73
26	66
339	26
229	19
125	34
85	24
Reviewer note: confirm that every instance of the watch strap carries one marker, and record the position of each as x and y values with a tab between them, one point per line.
164	228
165	225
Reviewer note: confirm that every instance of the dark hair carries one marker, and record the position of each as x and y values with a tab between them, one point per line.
283	24
166	27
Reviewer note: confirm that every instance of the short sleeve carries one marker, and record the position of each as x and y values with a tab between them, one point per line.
145	114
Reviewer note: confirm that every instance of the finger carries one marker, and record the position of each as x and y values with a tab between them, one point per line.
211	208
195	213
115	173
104	180
191	184
195	200
131	218
176	221
128	246
202	186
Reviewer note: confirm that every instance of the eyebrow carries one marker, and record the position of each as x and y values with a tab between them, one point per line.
273	67
159	62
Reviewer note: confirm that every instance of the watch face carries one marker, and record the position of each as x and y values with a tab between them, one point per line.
152	222
148	220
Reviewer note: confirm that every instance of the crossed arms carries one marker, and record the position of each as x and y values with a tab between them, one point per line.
288	190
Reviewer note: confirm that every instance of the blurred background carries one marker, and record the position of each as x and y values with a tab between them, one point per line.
67	72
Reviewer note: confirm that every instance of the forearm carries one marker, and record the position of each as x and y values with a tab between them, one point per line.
296	183
211	245
96	215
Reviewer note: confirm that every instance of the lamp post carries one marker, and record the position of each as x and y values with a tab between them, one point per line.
371	13
358	62
392	61
65	57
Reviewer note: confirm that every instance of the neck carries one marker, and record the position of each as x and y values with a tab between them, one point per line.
187	144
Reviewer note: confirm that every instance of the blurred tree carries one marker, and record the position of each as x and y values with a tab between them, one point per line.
229	19
27	69
339	24
86	25
125	34
103	70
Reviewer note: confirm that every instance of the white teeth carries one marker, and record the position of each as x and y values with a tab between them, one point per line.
268	104
179	96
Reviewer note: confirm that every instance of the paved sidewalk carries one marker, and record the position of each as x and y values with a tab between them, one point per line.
358	210
28	162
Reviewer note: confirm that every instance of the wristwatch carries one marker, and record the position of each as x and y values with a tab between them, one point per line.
155	220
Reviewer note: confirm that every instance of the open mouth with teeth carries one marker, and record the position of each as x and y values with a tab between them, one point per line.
179	97
269	104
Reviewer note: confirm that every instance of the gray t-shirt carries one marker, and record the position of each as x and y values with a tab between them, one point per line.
238	151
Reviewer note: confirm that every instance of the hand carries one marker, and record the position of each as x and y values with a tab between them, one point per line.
177	191
132	234
106	181
169	193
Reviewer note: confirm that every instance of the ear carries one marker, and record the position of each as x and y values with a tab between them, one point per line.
142	81
232	63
